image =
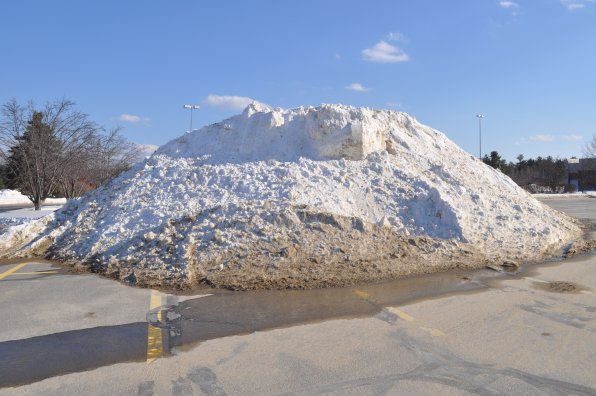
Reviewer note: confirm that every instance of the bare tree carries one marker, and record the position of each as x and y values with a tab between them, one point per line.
111	155
590	148
104	156
77	175
37	145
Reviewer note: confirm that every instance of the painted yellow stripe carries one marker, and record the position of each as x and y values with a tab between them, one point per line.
361	294
401	314
154	336
33	273
13	269
433	332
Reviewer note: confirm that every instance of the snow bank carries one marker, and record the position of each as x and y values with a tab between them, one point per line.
575	195
302	198
12	197
15	198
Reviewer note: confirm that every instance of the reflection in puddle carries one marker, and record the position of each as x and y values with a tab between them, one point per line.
180	325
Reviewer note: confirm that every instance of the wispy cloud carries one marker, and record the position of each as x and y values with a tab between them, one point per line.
393	104
357	87
133	119
508	4
542	138
572	138
232	102
396	36
547	138
383	52
573	5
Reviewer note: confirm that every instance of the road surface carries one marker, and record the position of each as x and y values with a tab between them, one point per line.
480	332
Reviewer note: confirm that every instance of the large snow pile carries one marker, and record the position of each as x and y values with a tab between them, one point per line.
299	198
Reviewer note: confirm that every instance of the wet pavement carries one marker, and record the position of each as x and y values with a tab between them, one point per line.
184	324
88	328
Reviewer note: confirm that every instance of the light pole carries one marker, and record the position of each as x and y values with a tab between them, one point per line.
191	107
480	117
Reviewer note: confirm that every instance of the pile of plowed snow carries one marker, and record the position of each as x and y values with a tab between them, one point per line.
306	197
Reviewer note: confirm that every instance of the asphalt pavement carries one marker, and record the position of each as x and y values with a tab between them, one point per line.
475	332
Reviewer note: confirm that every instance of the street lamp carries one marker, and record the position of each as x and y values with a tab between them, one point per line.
480	117
191	107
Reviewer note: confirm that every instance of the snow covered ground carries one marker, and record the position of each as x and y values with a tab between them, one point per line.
15	198
583	194
305	197
11	217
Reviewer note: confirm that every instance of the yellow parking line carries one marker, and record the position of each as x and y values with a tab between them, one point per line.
433	332
13	269
401	314
34	273
154	337
361	294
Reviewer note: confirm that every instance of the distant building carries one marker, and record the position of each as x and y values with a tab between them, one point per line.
582	173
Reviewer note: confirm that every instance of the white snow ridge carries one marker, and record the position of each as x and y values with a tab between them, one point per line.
307	197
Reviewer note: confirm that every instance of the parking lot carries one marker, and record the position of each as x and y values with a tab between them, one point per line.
457	333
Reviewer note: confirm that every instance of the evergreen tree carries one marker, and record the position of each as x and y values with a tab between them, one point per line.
495	161
31	161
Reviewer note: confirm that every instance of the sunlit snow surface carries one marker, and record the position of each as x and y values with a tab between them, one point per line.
380	166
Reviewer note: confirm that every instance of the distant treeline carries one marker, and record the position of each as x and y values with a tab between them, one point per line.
536	175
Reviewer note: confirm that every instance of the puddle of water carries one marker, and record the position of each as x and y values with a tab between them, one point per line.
37	358
184	324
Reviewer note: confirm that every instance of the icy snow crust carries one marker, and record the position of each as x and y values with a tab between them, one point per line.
299	198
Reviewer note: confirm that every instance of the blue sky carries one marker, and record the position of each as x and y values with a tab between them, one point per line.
528	65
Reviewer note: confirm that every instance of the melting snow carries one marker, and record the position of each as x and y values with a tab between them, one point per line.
250	179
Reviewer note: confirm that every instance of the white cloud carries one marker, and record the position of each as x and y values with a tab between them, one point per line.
228	101
396	36
508	4
393	104
573	5
542	138
383	52
129	118
357	87
571	137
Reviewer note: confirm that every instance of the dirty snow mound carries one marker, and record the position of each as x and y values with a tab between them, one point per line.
302	198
